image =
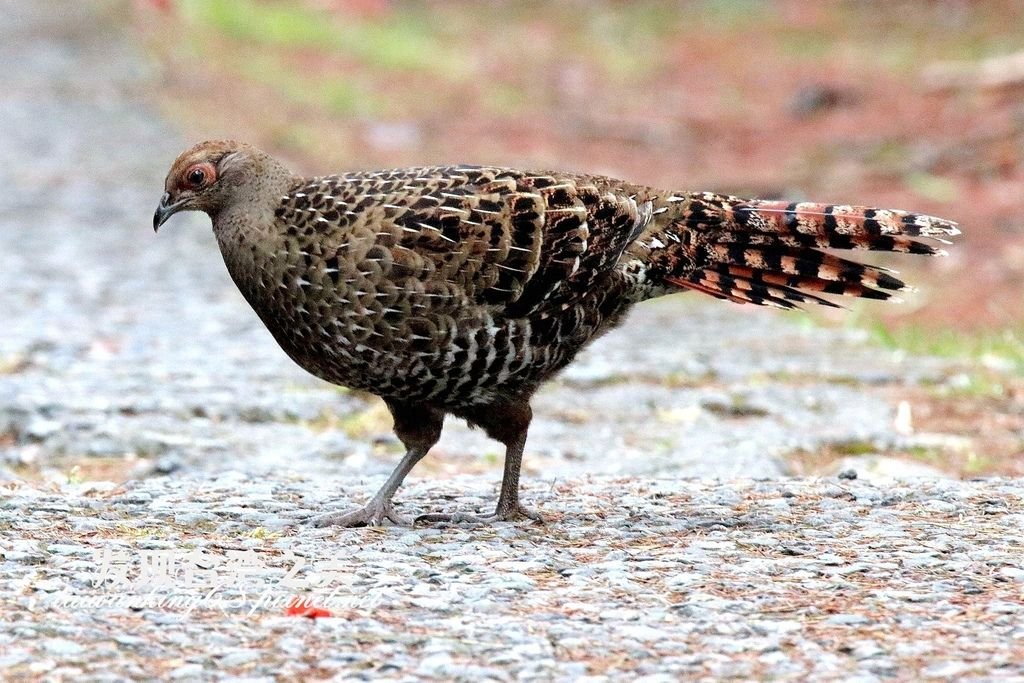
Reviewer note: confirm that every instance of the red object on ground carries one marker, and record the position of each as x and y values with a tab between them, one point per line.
298	607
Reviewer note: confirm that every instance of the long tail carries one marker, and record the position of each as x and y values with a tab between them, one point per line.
769	252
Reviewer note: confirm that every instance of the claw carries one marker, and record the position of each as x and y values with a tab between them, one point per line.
372	514
510	514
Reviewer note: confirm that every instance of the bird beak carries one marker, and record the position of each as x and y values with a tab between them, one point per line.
166	209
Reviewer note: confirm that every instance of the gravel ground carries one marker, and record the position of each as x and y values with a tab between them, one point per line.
168	439
666	578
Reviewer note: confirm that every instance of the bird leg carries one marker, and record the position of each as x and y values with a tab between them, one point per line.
379	508
507	423
418	428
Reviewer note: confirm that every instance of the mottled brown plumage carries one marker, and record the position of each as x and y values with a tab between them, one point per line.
459	290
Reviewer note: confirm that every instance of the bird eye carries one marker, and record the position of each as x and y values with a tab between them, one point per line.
199	176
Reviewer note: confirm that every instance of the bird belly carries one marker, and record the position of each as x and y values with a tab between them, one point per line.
459	357
410	339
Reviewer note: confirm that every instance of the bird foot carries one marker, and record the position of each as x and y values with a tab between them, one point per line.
371	514
502	514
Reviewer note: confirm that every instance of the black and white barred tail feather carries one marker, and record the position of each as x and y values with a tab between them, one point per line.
770	252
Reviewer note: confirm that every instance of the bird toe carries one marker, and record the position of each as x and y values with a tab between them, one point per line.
370	515
511	514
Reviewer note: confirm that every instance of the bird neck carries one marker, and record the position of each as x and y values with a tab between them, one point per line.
246	228
258	183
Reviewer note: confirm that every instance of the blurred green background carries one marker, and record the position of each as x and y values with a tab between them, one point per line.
915	105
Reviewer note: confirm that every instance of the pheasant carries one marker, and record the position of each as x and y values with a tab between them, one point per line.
460	289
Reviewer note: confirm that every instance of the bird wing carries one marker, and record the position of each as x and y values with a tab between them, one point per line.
512	241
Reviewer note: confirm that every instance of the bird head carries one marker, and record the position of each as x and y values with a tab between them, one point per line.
213	175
